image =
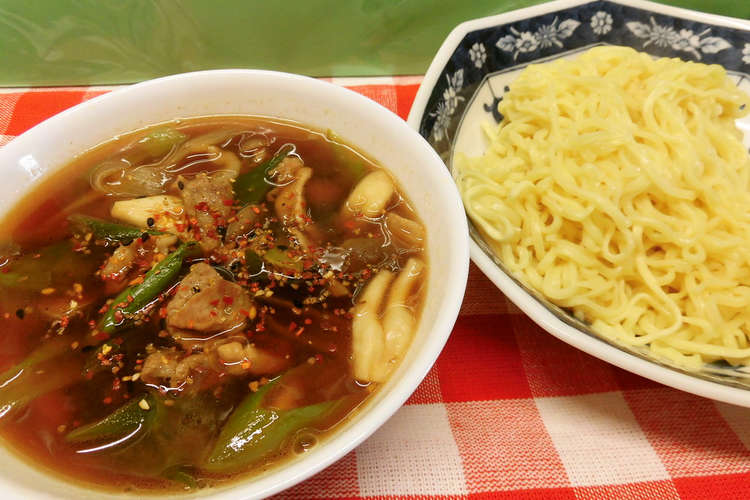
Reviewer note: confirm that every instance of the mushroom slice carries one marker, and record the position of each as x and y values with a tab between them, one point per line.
370	196
399	322
164	209
368	339
405	233
377	345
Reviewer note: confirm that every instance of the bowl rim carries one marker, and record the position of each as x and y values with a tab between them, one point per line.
529	305
366	422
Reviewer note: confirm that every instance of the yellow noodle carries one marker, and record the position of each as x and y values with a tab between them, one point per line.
618	186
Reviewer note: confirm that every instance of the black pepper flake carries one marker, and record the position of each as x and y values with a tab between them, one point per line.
162	323
222	230
145	237
506	89
196	289
298	303
180	185
150	222
20	313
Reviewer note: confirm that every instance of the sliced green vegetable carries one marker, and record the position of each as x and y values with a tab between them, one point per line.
134	298
110	231
47	350
251	187
53	265
280	259
253	262
28	384
179	475
347	157
262	431
159	142
253	432
136	416
93	364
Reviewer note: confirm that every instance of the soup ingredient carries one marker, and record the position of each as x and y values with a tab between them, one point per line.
618	186
370	196
252	186
162	209
378	344
126	307
136	416
254	430
110	231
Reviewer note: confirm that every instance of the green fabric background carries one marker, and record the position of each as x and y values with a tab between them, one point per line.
70	42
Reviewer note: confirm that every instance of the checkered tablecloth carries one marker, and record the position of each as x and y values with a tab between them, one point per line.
508	411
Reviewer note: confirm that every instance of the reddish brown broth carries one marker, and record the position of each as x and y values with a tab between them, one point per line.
37	431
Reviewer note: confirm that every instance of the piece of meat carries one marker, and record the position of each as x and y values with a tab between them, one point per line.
206	304
237	356
171	368
289	199
120	262
207	201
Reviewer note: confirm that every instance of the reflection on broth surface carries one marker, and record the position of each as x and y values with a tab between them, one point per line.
201	299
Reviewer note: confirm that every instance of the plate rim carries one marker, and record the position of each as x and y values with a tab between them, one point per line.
530	306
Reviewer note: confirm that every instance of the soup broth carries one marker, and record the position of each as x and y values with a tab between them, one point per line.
201	300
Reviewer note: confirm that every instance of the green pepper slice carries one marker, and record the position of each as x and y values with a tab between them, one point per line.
251	187
134	298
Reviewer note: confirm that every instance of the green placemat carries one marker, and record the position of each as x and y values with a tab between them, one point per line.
76	42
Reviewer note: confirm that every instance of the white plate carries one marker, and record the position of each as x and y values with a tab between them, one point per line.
481	57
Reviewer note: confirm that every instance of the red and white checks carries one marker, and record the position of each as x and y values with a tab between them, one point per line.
508	411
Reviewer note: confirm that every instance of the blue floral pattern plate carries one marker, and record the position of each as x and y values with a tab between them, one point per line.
479	61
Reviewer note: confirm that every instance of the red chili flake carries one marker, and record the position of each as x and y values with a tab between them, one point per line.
332	347
180	226
308	321
101	336
107	400
228	300
318	357
118	315
260	327
256	209
213	313
299	331
89	375
130	299
228	202
64	321
293	326
162	312
202	206
6	270
214	302
104	309
118	340
245	312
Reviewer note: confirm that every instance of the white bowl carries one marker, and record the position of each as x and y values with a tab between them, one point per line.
359	121
480	57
